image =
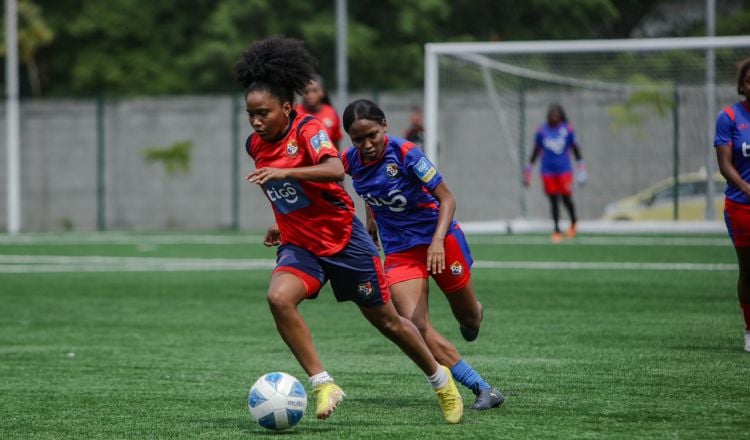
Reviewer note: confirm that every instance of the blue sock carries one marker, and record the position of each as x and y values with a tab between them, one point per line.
469	378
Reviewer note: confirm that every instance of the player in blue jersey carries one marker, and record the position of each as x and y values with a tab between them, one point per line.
732	142
412	208
554	141
318	234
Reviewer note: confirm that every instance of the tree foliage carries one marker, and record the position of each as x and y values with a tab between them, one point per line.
130	47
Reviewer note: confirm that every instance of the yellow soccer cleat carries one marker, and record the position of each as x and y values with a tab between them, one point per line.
327	396
451	403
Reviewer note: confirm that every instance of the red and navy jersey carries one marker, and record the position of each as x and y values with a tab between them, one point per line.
733	129
328	116
555	144
397	189
316	216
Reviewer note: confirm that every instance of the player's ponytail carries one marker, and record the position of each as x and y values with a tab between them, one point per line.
282	66
741	74
362	109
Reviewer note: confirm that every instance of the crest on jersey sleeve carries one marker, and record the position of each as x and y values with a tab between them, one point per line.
456	268
391	170
425	170
292	149
321	141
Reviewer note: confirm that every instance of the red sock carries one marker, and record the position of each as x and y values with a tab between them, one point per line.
746	314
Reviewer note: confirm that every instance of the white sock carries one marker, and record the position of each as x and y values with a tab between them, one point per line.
439	379
320	378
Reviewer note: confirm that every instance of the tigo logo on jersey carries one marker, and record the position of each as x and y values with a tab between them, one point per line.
286	195
391	170
456	268
396	203
320	141
292	148
424	170
365	288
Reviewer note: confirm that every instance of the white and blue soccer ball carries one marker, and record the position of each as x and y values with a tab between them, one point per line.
277	401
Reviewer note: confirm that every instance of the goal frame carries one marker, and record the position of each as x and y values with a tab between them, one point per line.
434	50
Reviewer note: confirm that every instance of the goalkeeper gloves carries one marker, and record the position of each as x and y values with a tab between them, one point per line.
527	175
581	175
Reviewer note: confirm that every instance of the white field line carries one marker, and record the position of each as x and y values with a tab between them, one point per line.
558	265
155	240
127	239
604	241
53	264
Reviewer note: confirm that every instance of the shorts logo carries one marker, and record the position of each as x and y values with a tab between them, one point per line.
292	149
320	141
456	268
365	288
425	170
391	170
746	149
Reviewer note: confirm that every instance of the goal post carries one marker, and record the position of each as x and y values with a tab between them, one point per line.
639	106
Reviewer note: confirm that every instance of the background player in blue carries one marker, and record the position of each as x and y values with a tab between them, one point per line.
321	239
732	142
554	141
413	210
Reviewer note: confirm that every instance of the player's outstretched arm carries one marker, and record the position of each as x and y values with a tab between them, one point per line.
330	169
727	169
436	251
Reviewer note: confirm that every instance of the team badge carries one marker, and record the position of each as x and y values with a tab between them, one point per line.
328	122
425	170
365	288
456	268
292	148
320	141
391	170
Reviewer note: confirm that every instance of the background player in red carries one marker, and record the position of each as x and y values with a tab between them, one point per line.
732	142
554	141
415	131
315	102
320	238
412	208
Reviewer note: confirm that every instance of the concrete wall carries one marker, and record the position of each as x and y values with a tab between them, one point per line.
59	163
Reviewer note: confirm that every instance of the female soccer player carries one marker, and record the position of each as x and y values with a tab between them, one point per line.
554	141
315	102
412	208
298	169
732	142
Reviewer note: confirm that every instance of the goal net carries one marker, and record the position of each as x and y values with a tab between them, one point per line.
639	108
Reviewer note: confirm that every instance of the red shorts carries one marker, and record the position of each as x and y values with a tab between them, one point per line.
412	264
558	184
737	218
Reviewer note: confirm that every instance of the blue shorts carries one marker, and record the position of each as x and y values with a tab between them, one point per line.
356	273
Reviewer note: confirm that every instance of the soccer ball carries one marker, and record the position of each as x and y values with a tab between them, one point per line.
277	401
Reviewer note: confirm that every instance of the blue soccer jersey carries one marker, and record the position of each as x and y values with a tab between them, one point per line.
397	188
733	129
555	144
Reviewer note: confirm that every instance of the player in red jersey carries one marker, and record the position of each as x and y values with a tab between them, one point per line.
410	211
320	238
315	102
732	142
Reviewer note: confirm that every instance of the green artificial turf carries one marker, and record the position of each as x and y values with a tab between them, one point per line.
578	353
